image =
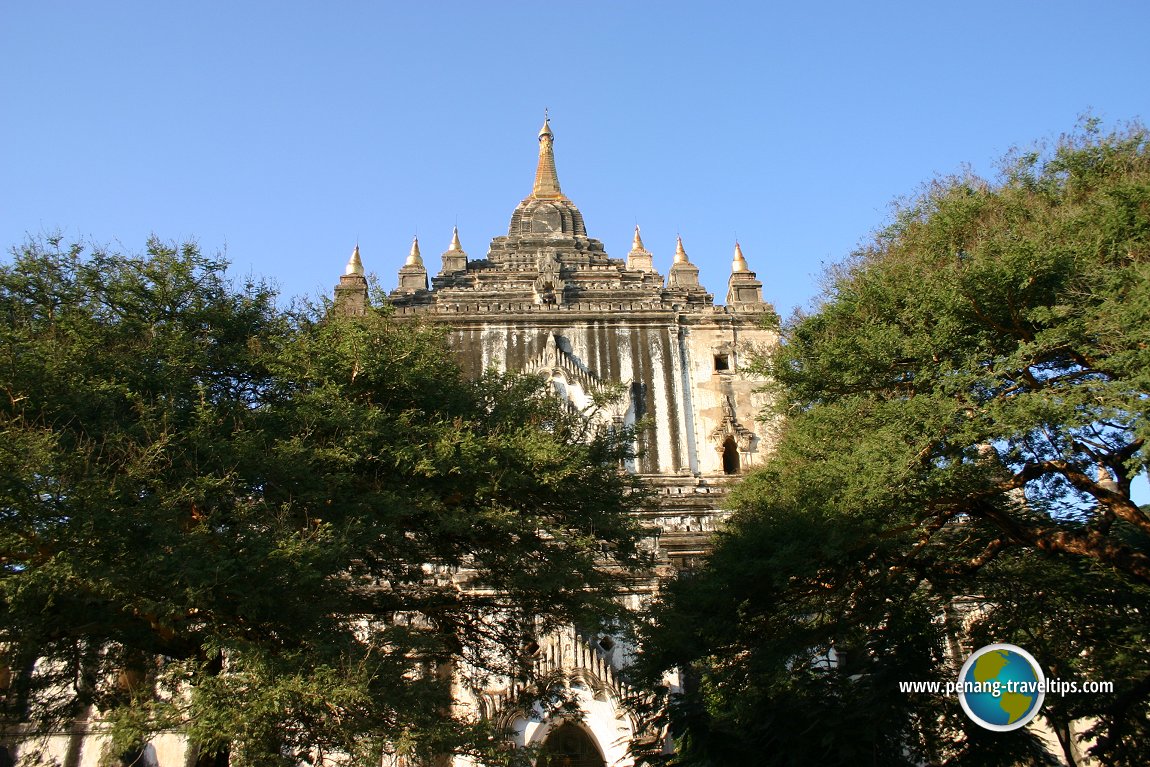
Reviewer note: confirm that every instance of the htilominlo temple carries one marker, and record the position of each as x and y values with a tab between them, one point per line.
548	300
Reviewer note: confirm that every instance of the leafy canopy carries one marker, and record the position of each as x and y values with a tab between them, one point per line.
284	533
964	414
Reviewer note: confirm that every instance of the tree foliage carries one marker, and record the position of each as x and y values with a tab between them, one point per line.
964	414
280	532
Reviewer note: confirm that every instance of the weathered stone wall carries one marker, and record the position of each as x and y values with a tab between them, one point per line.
665	361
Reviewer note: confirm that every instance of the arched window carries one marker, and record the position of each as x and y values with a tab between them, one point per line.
569	745
730	456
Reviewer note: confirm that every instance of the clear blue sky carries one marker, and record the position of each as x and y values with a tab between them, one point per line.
283	132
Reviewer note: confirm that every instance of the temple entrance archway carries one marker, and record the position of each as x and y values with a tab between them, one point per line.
569	745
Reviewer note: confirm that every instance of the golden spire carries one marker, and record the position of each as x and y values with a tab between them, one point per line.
639	258
739	264
684	275
546	180
413	258
454	259
354	264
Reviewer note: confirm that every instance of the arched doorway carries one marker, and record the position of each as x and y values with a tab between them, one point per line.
730	456
569	745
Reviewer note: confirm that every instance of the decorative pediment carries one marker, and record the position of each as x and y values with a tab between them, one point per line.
565	660
730	427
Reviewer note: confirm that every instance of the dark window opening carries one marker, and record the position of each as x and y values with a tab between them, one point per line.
730	456
722	362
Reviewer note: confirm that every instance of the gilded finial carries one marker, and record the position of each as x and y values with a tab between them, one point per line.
639	259
738	263
413	258
684	275
354	264
546	179
454	259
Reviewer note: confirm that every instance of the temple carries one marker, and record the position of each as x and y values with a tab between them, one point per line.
548	300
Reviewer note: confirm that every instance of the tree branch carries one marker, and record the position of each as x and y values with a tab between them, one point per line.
1088	543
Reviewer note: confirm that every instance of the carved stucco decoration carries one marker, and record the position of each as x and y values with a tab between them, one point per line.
565	659
549	285
730	427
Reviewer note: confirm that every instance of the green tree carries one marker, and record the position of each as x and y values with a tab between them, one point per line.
280	532
963	416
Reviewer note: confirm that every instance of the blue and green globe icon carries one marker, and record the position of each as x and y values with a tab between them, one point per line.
1001	687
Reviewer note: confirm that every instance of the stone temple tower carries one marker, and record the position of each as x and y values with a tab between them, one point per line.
548	300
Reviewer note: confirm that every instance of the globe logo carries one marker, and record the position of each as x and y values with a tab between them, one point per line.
1001	687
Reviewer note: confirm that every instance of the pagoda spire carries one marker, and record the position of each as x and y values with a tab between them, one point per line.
639	259
684	274
413	258
351	292
546	180
744	291
354	264
738	263
454	258
412	275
